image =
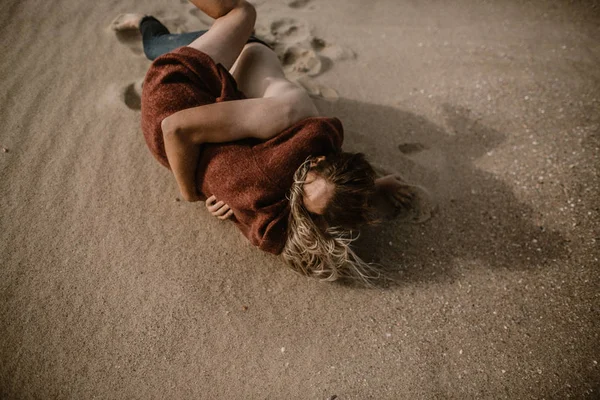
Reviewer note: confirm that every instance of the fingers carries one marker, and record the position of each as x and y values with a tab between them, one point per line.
403	201
398	178
210	201
403	196
214	206
218	208
228	214
221	211
405	192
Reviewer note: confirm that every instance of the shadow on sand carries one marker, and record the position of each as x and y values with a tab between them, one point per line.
479	220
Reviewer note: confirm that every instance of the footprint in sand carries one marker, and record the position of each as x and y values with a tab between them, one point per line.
411	148
300	61
132	95
298	3
289	30
132	40
264	33
318	90
318	44
332	51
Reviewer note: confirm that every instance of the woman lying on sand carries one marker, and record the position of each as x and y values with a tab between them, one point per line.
218	111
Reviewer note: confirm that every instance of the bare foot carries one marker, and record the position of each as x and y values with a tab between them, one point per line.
126	22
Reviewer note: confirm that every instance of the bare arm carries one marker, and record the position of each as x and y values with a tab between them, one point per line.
186	130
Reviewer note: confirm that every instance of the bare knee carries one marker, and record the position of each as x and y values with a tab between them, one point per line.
255	55
249	13
227	36
279	86
239	21
218	8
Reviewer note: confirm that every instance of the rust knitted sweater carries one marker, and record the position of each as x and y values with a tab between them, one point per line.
253	177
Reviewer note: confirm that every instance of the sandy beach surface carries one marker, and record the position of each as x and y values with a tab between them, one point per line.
111	288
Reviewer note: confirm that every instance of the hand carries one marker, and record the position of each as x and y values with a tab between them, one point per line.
218	208
396	190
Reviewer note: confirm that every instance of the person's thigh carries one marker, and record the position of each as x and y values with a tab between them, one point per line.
227	36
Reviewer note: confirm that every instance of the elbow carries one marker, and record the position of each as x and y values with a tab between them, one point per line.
169	126
174	128
300	107
191	197
291	113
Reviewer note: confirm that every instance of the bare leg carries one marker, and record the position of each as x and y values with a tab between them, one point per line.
216	8
256	68
227	36
258	73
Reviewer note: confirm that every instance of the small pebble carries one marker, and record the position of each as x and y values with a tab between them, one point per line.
4	150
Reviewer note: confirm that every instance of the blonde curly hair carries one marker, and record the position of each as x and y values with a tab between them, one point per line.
318	246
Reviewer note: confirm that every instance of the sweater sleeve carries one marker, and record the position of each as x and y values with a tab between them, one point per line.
181	79
277	159
280	156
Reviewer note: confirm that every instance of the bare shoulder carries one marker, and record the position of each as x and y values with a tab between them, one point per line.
301	104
